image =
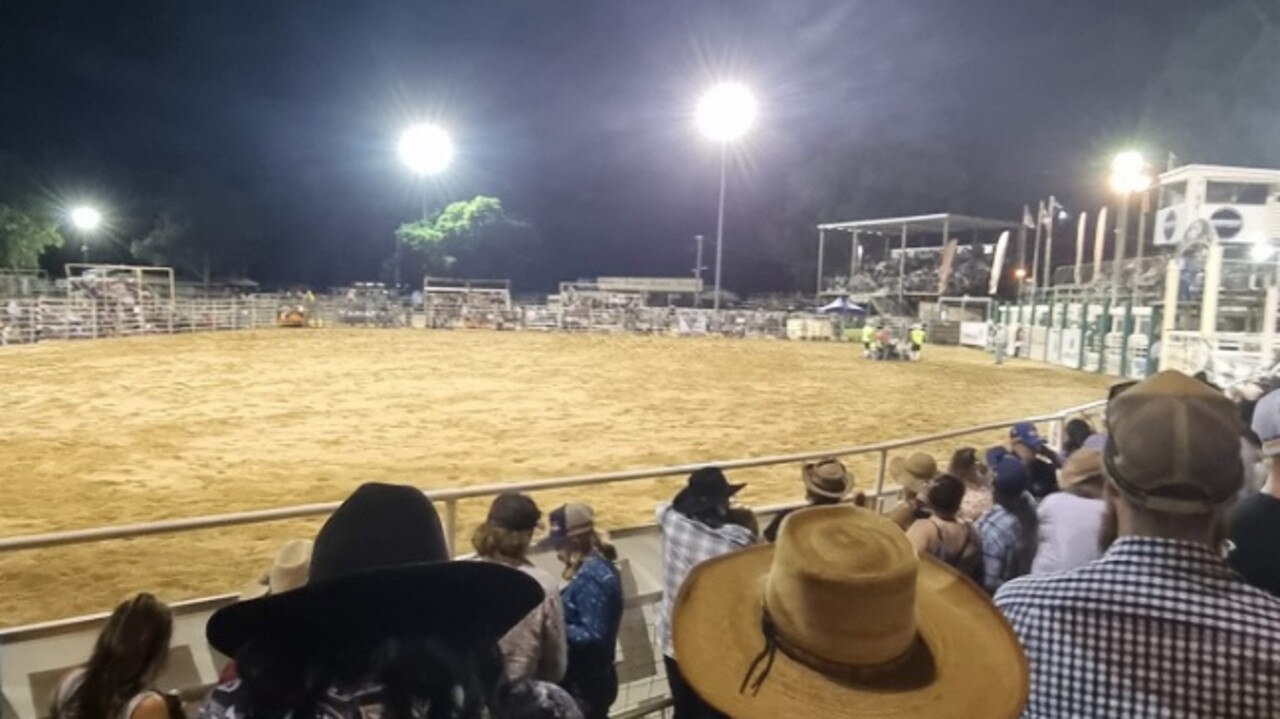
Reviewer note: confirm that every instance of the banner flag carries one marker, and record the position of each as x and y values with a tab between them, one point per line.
948	258
997	263
1099	239
1080	233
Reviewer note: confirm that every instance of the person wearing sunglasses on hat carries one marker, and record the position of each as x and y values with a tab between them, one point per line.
387	624
695	528
1159	625
592	601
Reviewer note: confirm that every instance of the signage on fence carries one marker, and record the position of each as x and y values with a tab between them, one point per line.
673	285
1069	348
973	334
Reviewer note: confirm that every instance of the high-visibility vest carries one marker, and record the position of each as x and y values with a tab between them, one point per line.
868	333
917	337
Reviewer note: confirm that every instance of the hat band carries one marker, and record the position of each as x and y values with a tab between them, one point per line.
854	673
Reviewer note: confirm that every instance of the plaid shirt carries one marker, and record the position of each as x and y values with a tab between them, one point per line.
1007	549
1156	627
685	544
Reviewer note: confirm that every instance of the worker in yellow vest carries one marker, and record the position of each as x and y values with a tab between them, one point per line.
917	340
868	338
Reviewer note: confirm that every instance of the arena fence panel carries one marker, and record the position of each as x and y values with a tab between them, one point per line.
30	655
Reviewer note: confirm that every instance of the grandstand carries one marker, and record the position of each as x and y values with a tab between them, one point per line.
896	262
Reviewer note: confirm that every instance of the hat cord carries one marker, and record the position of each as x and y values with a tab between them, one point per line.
766	655
773	641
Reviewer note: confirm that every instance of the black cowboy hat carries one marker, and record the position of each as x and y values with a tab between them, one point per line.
381	563
706	488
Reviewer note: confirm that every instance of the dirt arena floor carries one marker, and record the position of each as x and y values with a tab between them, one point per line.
127	430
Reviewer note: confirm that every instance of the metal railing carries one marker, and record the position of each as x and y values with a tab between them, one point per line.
451	497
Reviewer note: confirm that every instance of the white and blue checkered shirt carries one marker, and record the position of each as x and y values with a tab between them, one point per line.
1154	628
686	544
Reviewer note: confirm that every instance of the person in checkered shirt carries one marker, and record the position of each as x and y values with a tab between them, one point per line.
1159	625
695	527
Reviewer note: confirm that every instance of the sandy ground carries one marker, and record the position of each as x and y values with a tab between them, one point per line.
116	431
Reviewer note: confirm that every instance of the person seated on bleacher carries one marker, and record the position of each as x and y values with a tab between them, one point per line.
535	648
695	527
840	618
386	626
118	681
592	602
825	482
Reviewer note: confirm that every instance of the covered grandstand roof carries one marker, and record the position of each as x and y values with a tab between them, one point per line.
922	223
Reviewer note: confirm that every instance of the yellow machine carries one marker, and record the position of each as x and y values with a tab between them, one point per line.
292	316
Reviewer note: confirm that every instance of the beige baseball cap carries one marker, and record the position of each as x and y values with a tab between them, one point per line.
1173	445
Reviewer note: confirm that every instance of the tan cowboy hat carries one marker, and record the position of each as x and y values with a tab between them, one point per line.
827	478
1081	465
915	472
840	618
287	572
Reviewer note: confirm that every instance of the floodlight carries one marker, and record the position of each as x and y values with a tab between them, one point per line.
1129	173
726	112
426	149
86	219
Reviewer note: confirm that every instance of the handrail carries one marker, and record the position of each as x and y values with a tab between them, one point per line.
451	496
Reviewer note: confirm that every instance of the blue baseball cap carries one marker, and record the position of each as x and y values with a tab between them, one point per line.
1009	475
1025	433
1266	423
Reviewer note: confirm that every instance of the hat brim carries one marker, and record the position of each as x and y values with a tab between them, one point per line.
462	601
687	502
978	668
910	482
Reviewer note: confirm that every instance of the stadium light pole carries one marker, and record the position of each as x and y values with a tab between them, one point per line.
1129	174
427	150
724	114
86	219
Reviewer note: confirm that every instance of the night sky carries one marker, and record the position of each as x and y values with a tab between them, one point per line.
274	124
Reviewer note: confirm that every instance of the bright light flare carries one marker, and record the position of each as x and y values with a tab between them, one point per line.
1020	273
1129	173
426	149
726	112
86	219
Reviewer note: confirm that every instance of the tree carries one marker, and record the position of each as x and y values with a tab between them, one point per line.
472	238
24	237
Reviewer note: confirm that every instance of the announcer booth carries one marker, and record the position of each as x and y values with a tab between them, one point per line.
1222	226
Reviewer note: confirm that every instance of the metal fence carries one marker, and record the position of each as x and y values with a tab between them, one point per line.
39	319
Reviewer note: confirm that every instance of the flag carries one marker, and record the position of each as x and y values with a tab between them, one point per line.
1042	215
997	263
1027	222
948	257
1080	232
1099	238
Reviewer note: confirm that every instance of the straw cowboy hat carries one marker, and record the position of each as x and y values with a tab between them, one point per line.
288	571
1084	463
380	564
915	472
827	478
840	618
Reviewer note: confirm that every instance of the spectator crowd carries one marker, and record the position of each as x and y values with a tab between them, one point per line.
1132	571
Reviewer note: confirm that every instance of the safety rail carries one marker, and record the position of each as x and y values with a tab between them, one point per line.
451	497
